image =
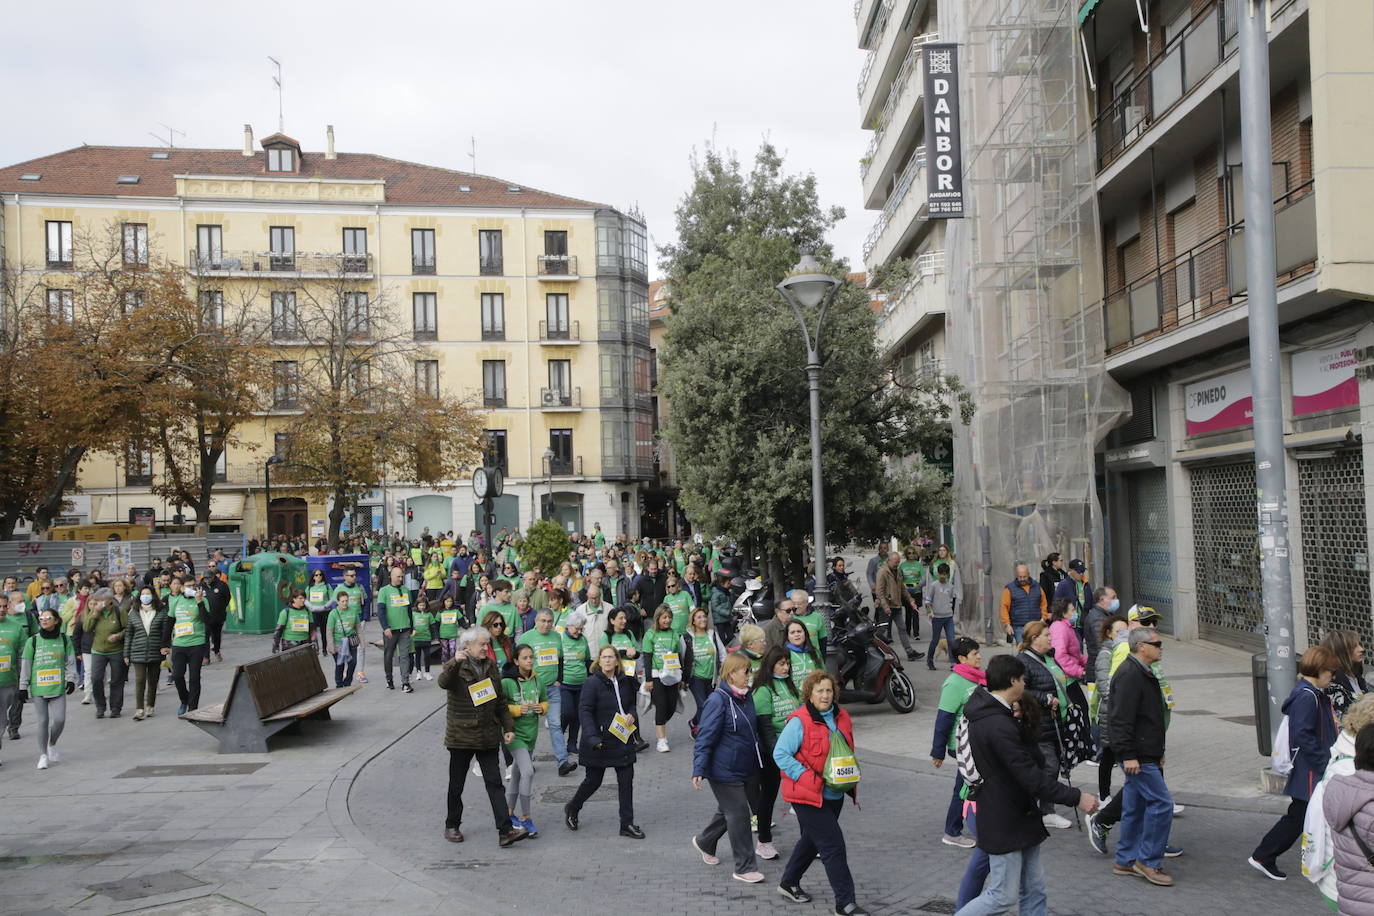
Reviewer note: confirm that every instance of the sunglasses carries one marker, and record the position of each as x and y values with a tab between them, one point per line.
1156	644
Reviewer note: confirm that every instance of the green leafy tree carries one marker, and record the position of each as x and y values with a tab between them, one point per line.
545	546
733	372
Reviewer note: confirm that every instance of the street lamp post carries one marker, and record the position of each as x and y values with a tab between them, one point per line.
809	289
267	487
548	467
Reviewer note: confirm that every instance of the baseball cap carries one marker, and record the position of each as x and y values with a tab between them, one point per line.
1078	566
1142	614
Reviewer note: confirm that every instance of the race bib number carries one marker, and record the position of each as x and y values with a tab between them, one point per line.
671	662
559	629
842	771
621	728
482	692
317	596
4	662
400	601
628	665
448	617
300	625
1168	695
183	628
548	655
48	677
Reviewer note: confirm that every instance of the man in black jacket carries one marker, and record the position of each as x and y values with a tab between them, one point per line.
1013	777
1135	728
216	592
652	585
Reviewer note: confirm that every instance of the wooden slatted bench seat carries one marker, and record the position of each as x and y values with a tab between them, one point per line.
266	696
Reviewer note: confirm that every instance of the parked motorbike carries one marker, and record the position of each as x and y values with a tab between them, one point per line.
863	664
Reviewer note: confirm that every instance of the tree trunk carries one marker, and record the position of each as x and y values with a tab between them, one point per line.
336	514
796	560
51	505
8	522
776	574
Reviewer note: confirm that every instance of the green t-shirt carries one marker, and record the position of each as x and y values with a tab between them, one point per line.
657	644
913	571
803	663
343	624
777	704
529	690
508	614
393	606
355	596
622	643
48	657
548	651
816	625
599	539
703	656
681	603
449	622
188	626
576	653
421	620
297	623
12	636
317	596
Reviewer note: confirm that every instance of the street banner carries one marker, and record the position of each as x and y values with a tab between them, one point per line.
944	156
1324	378
1219	403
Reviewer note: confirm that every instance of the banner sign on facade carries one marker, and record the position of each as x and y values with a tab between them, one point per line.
944	157
1220	403
1324	378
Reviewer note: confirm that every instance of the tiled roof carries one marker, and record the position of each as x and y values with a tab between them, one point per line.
93	170
658	300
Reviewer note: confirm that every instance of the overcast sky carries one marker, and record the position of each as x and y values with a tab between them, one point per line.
598	99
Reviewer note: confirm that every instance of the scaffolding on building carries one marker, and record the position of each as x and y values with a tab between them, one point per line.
1027	340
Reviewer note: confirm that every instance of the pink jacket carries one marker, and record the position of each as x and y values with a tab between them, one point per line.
1067	652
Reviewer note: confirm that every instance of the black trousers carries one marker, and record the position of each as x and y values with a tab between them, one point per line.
763	795
186	662
215	627
1282	835
664	699
591	781
459	759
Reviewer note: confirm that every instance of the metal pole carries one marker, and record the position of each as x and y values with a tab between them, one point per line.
1276	590
267	486
813	379
486	527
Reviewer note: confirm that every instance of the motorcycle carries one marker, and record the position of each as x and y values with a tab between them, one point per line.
863	664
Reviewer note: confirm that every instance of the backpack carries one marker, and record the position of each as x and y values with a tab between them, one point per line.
963	757
1282	759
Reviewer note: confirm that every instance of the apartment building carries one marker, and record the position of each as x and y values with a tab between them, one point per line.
527	305
1177	479
662	517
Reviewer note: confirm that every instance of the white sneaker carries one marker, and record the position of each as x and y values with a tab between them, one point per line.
663	745
1178	809
138	714
1059	822
476	770
766	851
52	755
43	762
428	676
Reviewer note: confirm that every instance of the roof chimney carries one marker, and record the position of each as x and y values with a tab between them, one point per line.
248	139
329	144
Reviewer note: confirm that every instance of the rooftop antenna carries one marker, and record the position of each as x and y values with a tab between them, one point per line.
281	121
170	140
473	154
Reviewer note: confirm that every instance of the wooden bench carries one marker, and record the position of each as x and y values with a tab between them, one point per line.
267	696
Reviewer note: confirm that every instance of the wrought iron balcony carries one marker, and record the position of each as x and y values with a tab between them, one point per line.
560	398
560	332
257	263
558	266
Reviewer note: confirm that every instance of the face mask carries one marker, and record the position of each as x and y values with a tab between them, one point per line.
145	599
189	592
19	608
1115	605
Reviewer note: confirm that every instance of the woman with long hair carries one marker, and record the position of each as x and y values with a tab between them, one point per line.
662	671
502	649
1347	682
702	654
801	652
1047	687
775	699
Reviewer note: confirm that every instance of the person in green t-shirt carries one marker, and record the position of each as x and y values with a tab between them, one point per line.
775	698
702	653
48	676
295	624
913	574
548	667
501	604
450	620
618	635
663	671
812	618
577	662
105	622
14	633
527	697
341	638
393	610
421	620
187	612
679	600
802	653
318	601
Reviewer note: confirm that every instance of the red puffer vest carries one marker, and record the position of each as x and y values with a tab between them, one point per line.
815	747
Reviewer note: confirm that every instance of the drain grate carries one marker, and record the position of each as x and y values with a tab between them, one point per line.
191	769
938	905
163	882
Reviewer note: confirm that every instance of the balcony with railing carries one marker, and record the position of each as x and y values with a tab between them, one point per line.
560	333
896	222
288	264
421	266
897	126
564	466
920	301
555	267
556	399
888	48
870	18
1209	277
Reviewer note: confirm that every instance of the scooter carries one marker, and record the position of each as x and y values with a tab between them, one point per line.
863	664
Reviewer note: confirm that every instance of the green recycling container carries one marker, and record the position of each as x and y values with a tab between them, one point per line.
258	589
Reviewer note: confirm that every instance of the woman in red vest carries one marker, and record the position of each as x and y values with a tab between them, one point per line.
815	754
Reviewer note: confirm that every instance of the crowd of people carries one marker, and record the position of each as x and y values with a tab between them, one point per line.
623	633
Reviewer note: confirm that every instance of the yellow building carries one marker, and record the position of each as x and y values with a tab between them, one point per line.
530	304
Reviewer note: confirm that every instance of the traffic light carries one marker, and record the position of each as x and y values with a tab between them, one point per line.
410	514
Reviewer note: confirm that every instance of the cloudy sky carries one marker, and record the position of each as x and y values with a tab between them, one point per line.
598	99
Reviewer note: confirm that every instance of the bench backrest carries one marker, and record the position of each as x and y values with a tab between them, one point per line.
279	681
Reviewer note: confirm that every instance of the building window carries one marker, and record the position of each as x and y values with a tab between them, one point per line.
285	321
355	250
494	383
426	309
282	240
636	251
361	382
556	314
209	247
489	252
212	308
281	159
138	465
493	316
135	244
59	243
556	242
560	443
131	299
427	376
608	247
494	444
653	369
285	383
355	314
422	251
61	306
281	445
222	467
560	380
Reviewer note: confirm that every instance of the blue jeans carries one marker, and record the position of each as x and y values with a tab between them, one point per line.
937	625
555	724
1012	877
976	874
1147	813
954	817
